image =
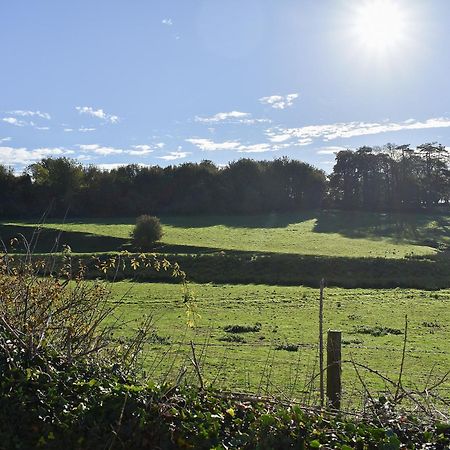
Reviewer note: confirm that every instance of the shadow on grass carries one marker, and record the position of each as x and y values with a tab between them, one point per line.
422	229
46	240
425	229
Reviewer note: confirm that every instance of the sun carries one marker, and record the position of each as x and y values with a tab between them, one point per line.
380	26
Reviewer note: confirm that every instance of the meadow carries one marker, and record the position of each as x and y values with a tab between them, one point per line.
259	321
344	234
263	339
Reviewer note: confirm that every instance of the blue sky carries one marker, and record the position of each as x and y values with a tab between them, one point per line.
164	82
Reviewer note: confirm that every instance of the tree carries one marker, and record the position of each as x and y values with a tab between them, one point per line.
146	232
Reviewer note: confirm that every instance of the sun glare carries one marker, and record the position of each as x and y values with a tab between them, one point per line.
380	26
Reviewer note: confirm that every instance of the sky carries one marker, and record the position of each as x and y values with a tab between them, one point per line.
114	82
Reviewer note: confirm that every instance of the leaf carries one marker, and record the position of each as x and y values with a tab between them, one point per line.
230	411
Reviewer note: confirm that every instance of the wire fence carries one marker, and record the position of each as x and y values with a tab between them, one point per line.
262	370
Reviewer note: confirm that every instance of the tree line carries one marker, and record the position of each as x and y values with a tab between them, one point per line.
389	178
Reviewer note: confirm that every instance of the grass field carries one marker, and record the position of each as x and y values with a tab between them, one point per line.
276	349
343	234
286	317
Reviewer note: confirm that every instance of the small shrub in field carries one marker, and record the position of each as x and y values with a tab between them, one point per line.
146	232
232	338
377	330
287	347
243	328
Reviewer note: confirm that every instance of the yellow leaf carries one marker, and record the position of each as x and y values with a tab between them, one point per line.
230	411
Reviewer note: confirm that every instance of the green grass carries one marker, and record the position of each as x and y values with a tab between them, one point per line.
343	234
286	318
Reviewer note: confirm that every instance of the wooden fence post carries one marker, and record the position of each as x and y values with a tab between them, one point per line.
321	374
334	387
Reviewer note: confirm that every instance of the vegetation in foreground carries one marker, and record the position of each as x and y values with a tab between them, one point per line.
48	403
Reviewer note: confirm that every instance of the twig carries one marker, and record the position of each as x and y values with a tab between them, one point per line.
399	382
197	367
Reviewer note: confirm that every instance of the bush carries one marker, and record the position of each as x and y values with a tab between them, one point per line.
146	232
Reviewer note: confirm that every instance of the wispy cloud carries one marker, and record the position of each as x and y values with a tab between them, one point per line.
98	113
257	148
25	113
14	121
352	129
209	145
100	149
171	156
223	116
331	150
168	21
279	101
23	123
5	139
140	150
24	156
83	129
232	117
103	150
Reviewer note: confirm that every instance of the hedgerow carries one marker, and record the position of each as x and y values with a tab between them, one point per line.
50	403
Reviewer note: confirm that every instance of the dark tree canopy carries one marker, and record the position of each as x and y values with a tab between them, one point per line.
244	186
392	178
389	178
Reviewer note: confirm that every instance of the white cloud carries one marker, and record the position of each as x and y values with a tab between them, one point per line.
232	117
68	130
142	147
256	148
42	128
279	101
253	121
171	156
102	150
209	145
223	116
330	132
167	22
331	150
99	149
85	129
14	121
23	156
23	113
5	139
140	150
300	143
98	113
